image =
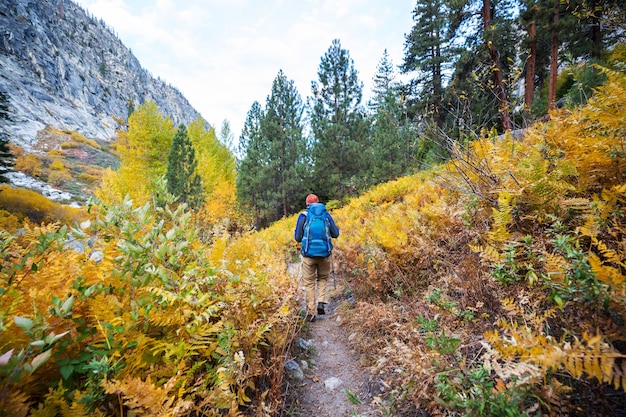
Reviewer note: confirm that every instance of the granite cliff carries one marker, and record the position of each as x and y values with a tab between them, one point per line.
62	68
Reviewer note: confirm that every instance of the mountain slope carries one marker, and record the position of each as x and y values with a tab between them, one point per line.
62	68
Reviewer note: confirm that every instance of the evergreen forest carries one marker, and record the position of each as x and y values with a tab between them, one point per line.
482	252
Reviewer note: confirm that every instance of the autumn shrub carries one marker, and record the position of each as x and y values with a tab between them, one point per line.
69	145
128	314
92	170
9	222
394	233
219	214
16	150
58	174
35	207
90	178
55	153
57	165
495	282
79	138
29	164
558	228
58	178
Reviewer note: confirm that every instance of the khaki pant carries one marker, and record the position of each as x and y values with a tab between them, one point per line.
315	270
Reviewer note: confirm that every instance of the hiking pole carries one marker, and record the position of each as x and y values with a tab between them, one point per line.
332	266
299	280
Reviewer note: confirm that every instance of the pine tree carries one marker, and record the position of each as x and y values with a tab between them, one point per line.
182	179
273	167
554	54
529	17
282	128
6	158
492	41
253	166
392	142
537	17
590	27
384	83
426	53
573	32
477	95
341	151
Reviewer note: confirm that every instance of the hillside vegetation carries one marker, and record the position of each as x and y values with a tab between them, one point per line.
492	285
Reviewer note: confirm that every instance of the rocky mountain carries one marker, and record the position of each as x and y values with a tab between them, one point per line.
62	68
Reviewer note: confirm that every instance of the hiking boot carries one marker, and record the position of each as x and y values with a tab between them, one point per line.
320	308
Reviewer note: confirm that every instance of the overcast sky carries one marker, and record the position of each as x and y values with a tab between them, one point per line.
224	54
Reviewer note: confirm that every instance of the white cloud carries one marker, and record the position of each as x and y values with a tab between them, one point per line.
224	54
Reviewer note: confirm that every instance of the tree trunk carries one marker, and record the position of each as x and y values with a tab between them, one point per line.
500	89
596	32
529	87
554	59
437	85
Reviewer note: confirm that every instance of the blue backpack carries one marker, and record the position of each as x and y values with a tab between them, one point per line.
316	241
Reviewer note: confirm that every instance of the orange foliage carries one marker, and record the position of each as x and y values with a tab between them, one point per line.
69	145
8	222
58	173
544	214
477	283
143	151
36	207
29	163
140	320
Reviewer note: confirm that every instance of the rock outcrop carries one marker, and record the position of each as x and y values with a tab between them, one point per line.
62	68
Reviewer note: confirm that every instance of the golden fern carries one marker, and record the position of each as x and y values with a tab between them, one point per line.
595	358
555	267
502	218
17	404
590	357
78	409
488	253
607	262
592	137
144	397
608	274
389	232
55	405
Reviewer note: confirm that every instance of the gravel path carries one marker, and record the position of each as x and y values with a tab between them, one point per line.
334	385
334	382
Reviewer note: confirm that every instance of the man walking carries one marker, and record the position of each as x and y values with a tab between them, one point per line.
315	229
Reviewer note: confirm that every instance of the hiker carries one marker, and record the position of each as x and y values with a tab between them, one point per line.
315	229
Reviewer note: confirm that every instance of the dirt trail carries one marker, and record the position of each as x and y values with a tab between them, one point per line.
334	383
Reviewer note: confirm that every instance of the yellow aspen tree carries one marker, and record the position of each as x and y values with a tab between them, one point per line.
216	167
143	151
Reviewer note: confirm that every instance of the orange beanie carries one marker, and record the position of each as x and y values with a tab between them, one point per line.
311	198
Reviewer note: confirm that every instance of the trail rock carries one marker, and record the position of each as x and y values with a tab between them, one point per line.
294	370
96	256
332	383
303	344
